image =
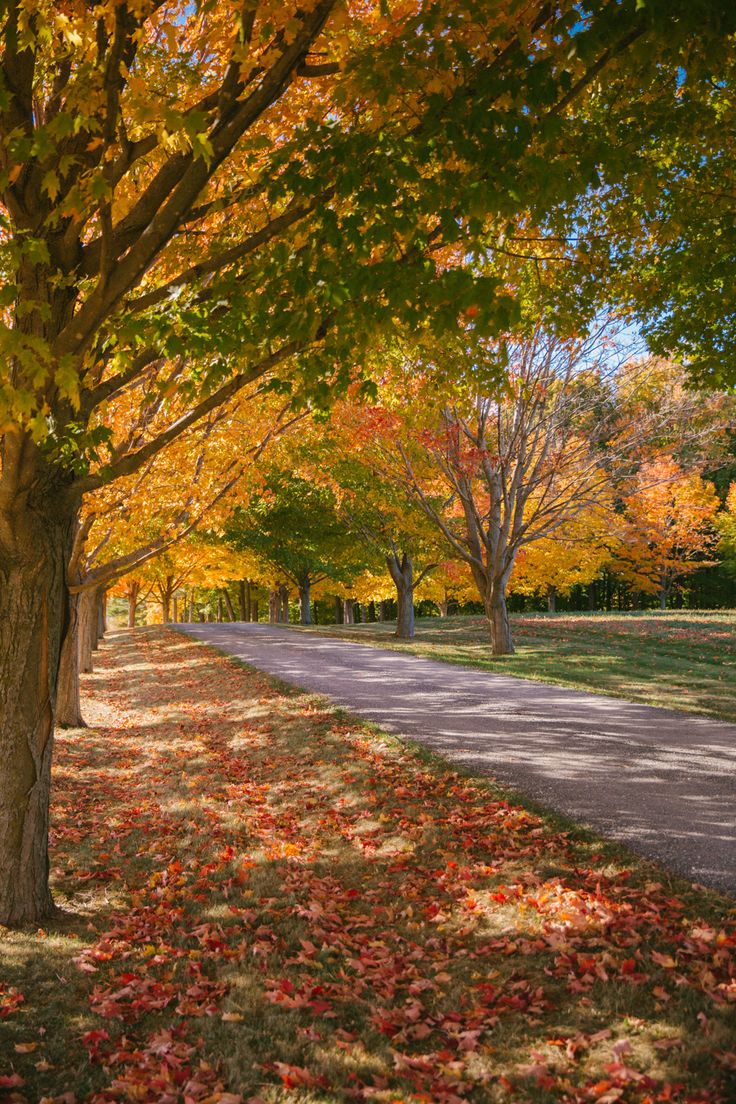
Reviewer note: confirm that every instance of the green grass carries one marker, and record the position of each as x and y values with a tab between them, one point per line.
677	660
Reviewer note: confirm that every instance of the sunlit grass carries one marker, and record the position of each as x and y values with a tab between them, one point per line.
678	660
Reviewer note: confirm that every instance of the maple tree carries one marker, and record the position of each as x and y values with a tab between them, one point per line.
374	509
193	195
293	525
726	526
571	556
667	530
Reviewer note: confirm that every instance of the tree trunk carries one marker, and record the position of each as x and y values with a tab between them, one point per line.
166	607
551	599
284	603
243	603
338	611
273	607
86	628
402	573
220	609
502	642
254	609
348	616
663	599
134	589
68	704
305	601
405	615
229	604
371	612
36	537
102	612
443	607
175	610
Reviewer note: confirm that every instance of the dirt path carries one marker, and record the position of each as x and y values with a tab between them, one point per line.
662	781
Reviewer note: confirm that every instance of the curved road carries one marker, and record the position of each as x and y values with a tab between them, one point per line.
660	780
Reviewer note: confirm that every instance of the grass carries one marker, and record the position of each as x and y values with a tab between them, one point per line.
265	900
676	660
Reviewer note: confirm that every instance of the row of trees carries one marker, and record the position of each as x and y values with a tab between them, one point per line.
207	204
587	458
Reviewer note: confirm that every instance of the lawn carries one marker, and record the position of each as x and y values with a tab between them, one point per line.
264	900
679	660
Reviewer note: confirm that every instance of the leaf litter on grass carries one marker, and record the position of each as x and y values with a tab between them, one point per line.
272	902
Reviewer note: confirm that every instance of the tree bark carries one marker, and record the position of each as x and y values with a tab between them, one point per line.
443	607
243	600
305	600
338	611
502	642
273	607
348	617
37	527
175	609
134	589
229	604
254	609
284	604
68	703
220	608
87	628
551	599
402	573
371	611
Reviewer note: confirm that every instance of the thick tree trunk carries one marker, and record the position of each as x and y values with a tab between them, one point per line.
134	589
402	573
68	703
273	607
166	608
284	604
254	609
102	614
405	614
305	601
551	599
502	642
243	602
372	611
663	599
348	614
443	607
175	610
220	608
35	547
86	628
228	604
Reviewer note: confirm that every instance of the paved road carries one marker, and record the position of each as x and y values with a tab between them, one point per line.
663	781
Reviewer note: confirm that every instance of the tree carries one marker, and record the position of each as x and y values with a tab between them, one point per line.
183	210
572	555
726	527
292	524
667	526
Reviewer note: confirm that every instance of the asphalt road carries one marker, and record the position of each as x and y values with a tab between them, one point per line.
660	780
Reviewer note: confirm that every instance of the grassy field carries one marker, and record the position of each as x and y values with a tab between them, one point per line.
264	901
679	660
